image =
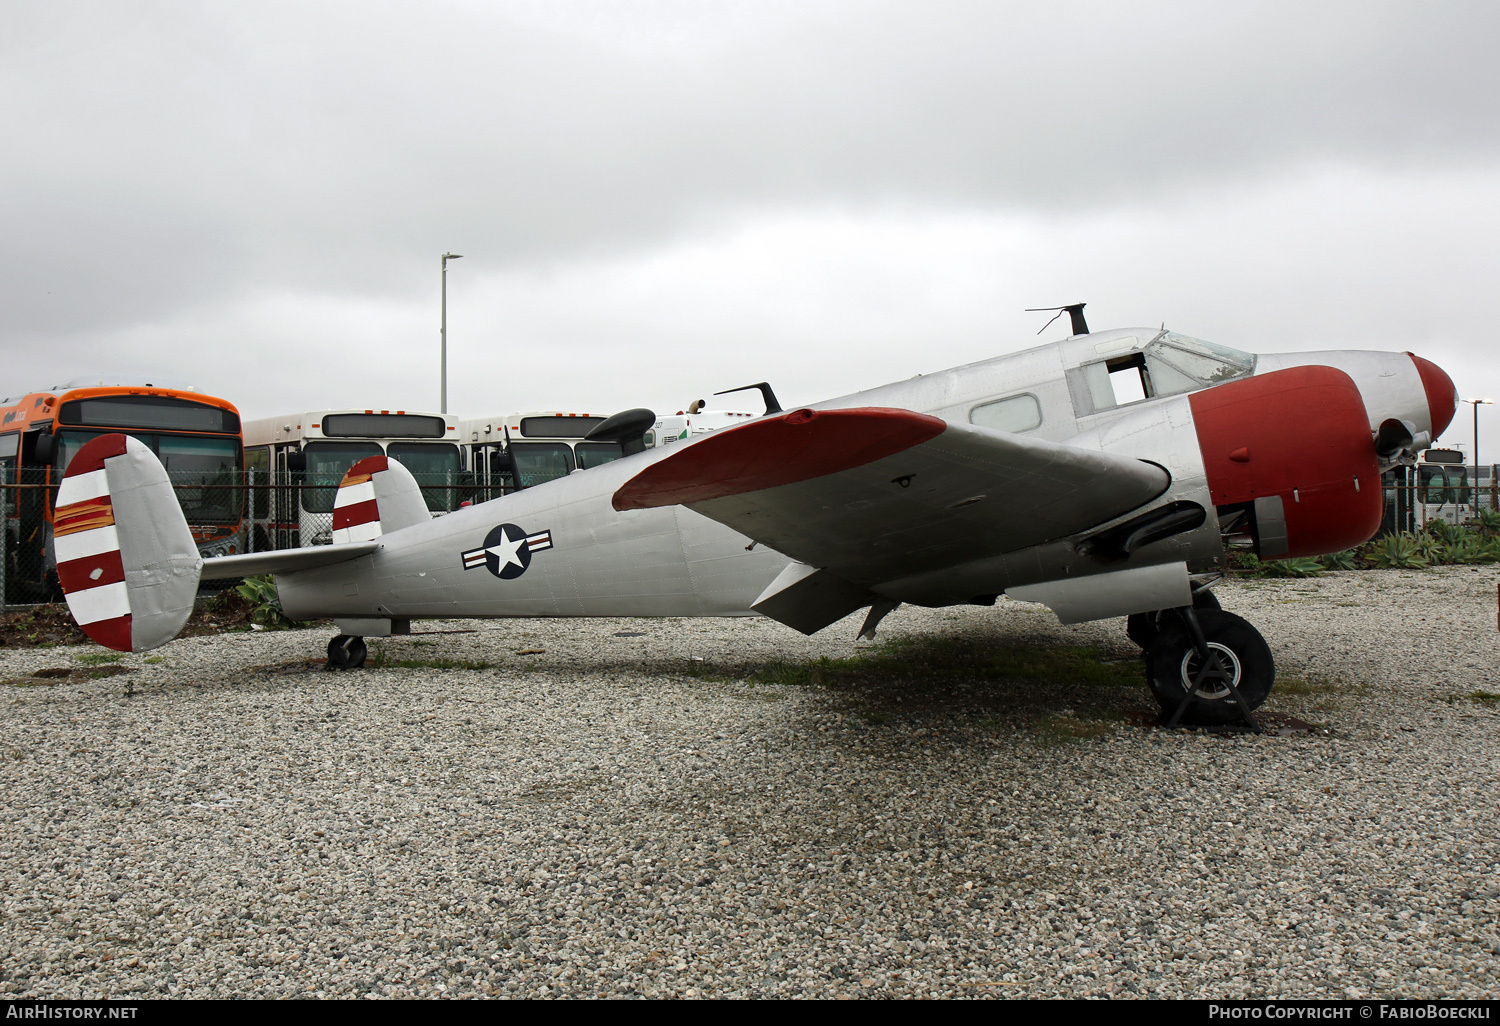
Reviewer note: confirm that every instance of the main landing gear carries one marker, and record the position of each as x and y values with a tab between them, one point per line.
1206	666
346	652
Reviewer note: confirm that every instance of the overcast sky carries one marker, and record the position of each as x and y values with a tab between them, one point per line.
656	200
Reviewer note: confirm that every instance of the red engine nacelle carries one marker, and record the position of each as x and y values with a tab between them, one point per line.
1300	435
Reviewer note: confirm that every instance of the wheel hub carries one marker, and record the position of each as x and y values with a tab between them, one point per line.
1216	680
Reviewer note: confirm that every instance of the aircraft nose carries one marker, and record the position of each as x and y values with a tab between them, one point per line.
1442	394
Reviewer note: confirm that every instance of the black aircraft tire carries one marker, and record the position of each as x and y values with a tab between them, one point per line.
357	653
1142	628
346	652
1171	661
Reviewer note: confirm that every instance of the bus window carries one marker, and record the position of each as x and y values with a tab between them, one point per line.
431	463
204	471
327	462
258	473
540	462
596	454
1434	486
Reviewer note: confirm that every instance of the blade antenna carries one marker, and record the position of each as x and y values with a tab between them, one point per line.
1055	316
772	406
1075	313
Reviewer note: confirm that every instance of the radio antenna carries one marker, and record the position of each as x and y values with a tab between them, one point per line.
1075	313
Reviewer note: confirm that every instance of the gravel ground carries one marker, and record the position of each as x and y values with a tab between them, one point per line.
634	810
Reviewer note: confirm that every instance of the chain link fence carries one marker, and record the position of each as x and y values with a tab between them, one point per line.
228	513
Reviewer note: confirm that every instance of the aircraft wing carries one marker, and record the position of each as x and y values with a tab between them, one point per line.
871	495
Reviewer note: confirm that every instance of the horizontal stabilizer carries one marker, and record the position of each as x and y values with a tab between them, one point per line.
283	561
126	560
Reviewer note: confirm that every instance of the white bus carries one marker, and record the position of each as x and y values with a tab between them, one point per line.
693	421
294	464
1439	487
508	452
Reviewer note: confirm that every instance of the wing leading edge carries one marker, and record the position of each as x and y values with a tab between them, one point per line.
871	495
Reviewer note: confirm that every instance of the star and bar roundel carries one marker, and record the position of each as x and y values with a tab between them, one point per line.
507	550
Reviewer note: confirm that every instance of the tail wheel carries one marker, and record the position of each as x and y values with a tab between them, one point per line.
346	652
1142	628
1238	656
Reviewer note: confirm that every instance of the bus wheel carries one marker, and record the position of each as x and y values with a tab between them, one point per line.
346	652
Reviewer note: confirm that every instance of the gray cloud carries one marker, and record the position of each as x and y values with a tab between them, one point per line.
178	163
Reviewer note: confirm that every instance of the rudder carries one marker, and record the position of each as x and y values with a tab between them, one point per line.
377	496
126	560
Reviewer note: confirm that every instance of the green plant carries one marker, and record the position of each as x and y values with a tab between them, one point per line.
1445	533
1469	549
1399	551
1340	560
1299	567
261	593
1488	522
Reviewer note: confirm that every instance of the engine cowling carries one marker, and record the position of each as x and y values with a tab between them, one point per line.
1294	446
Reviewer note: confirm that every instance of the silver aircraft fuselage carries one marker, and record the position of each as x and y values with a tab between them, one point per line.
579	556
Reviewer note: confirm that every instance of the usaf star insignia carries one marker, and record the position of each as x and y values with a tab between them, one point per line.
507	550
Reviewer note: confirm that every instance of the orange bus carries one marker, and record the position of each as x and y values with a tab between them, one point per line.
196	436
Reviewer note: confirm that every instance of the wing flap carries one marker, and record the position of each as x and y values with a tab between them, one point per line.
882	494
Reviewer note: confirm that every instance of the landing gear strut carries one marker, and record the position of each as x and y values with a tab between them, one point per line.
346	652
1142	628
1208	667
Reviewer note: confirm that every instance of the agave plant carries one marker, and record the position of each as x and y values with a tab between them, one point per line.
1467	549
1299	567
1429	546
1340	560
1445	533
1488	522
1400	551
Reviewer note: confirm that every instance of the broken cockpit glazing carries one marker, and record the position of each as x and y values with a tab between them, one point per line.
1169	364
1193	363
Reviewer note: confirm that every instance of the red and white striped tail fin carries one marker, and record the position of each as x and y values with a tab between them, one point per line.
125	557
377	496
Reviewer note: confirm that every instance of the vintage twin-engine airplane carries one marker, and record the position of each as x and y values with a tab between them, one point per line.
1103	475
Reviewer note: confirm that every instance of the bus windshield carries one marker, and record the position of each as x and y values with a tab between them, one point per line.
204	471
540	462
431	463
327	463
595	454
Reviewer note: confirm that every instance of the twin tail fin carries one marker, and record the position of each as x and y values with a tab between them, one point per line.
127	561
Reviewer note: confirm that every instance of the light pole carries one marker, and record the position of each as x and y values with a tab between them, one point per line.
1476	403
443	389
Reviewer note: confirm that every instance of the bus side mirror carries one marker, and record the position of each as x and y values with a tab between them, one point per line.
45	451
296	462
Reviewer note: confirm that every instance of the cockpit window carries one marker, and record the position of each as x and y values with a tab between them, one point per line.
1180	363
1169	364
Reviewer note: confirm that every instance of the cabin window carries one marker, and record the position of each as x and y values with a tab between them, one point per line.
1116	382
1016	414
